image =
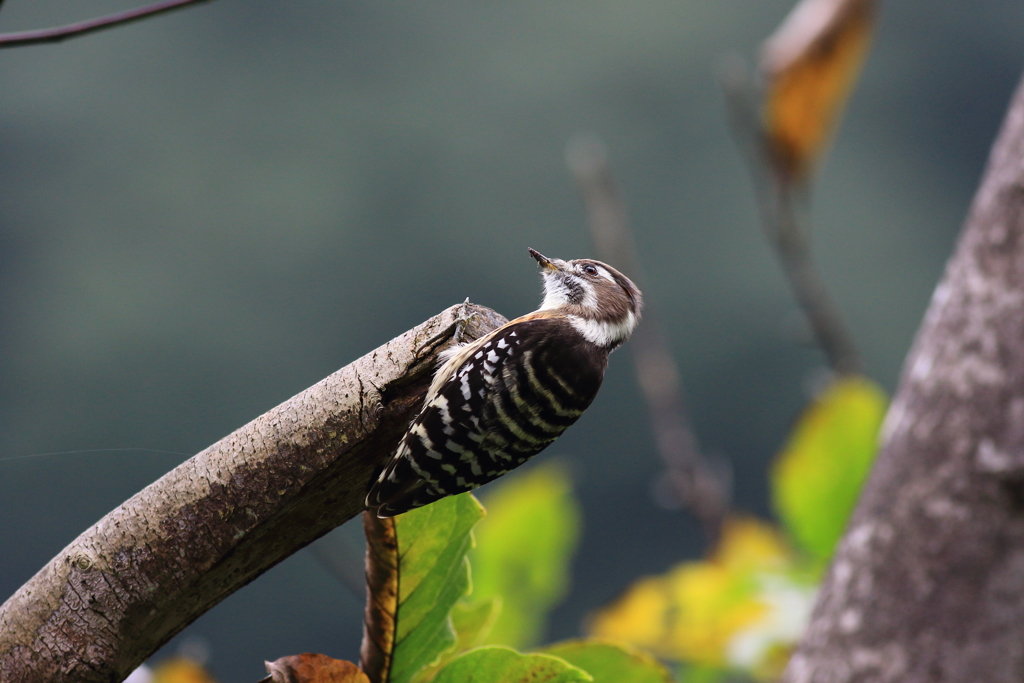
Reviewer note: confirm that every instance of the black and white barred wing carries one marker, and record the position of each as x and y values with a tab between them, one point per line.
507	397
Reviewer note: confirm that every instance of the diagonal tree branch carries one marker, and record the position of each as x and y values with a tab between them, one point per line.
216	522
927	583
81	28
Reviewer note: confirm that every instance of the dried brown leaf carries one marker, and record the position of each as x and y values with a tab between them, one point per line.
382	597
313	668
810	64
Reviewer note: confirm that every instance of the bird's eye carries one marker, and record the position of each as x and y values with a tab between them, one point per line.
590	270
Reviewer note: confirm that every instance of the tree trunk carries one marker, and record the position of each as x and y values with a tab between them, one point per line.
928	583
216	522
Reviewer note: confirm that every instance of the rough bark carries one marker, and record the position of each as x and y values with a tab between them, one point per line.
928	583
210	526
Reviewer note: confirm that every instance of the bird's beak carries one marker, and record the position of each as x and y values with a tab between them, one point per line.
543	260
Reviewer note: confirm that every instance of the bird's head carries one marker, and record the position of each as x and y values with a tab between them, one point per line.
603	304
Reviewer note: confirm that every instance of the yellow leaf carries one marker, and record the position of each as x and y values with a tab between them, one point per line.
640	617
748	543
810	64
731	610
181	670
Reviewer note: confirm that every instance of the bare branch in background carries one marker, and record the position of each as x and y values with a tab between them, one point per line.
693	482
927	583
782	125
81	28
145	571
782	204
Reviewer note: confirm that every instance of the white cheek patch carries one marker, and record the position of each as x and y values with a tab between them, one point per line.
589	296
556	294
604	333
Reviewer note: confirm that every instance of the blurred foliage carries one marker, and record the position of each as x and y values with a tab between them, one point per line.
180	670
810	65
818	475
745	606
524	547
736	609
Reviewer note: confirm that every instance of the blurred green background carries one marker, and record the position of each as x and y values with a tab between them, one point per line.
205	213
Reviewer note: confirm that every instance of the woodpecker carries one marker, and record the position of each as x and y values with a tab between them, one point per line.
498	401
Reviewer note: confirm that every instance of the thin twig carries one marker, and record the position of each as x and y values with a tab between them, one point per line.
692	481
782	203
81	28
792	245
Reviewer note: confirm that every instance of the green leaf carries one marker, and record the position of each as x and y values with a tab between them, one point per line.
505	665
817	477
433	575
472	622
523	552
611	663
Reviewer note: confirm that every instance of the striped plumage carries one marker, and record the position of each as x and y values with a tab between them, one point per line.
498	401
